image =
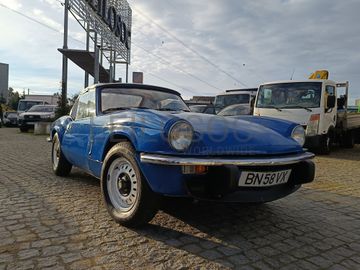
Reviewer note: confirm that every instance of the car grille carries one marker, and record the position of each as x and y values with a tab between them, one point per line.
32	117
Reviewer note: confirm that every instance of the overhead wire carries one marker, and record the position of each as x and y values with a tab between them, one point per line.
204	58
140	47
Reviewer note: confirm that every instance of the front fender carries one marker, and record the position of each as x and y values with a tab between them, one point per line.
59	127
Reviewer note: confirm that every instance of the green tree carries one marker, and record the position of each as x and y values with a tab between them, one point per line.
64	110
14	98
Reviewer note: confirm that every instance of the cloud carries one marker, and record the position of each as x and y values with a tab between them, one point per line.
254	41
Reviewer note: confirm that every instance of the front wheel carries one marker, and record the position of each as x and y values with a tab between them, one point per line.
61	166
128	198
325	144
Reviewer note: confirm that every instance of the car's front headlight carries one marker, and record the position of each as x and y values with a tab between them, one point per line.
298	134
180	135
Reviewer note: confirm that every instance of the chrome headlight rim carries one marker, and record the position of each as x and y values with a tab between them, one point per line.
298	135
173	126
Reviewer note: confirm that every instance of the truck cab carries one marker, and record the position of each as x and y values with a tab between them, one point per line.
310	103
236	96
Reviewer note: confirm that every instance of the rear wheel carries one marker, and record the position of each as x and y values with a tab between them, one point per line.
349	140
128	198
61	166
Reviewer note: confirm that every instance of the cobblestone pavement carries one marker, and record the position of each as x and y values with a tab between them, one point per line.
60	223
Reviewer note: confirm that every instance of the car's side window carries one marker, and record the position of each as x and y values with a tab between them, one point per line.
74	109
330	90
86	106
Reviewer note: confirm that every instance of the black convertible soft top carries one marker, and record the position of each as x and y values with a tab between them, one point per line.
134	85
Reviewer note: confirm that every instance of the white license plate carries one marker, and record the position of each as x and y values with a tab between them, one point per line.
263	179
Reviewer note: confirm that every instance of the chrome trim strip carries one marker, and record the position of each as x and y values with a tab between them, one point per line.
218	161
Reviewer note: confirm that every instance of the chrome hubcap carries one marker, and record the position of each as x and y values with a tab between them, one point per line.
122	185
56	154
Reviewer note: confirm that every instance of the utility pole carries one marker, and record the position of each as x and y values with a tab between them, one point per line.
65	60
86	82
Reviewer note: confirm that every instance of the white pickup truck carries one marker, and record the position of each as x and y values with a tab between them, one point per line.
317	105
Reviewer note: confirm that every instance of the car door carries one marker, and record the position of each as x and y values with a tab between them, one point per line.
76	141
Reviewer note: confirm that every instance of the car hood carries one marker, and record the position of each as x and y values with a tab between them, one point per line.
216	135
213	135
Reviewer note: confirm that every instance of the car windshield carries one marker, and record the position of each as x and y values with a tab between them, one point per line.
25	104
39	108
198	108
290	95
235	110
114	99
223	101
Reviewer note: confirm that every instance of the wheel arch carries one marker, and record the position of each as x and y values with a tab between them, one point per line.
115	138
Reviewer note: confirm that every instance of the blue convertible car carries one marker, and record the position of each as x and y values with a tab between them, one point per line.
143	143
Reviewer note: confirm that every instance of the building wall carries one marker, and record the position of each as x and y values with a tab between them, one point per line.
357	102
4	79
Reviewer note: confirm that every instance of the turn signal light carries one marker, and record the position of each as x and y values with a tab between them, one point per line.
197	169
315	117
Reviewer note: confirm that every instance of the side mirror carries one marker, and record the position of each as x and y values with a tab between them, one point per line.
331	101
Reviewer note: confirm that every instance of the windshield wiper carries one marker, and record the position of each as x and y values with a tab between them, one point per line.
298	106
272	106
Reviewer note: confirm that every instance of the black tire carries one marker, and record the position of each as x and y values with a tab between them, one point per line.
127	196
24	129
348	140
61	166
325	145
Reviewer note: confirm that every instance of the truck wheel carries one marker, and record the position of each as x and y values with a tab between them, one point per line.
127	196
61	166
24	129
325	145
349	140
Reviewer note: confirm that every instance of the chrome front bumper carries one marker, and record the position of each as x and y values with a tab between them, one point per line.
218	161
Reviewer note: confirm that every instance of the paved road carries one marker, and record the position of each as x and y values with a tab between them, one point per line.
60	223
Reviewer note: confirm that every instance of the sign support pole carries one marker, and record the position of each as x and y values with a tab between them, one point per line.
86	83
64	59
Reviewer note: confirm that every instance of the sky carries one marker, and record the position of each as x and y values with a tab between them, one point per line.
196	47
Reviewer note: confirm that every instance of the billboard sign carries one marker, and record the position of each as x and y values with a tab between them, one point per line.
110	19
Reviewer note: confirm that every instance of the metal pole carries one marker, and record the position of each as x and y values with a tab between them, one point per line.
111	66
127	72
114	67
101	51
86	83
96	64
65	60
96	68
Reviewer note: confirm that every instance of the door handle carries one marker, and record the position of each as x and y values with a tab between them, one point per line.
68	127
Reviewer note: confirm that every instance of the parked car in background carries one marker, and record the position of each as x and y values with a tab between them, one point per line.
25	104
203	108
236	109
37	113
236	96
143	142
10	119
